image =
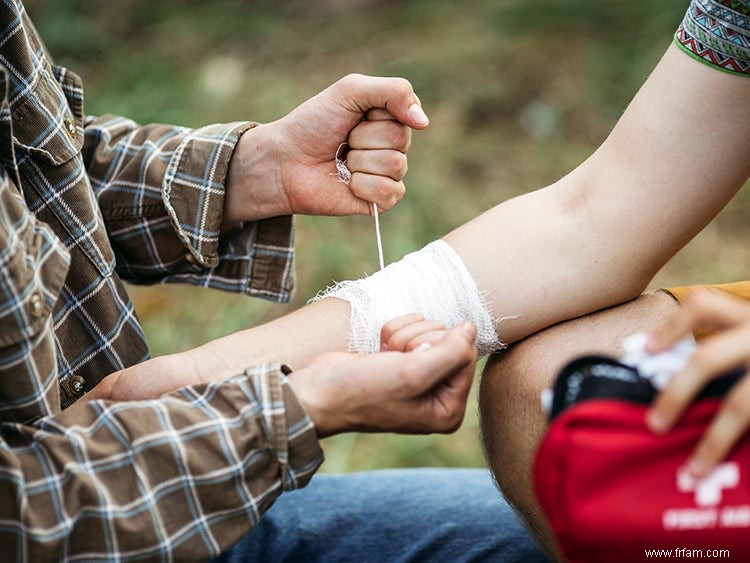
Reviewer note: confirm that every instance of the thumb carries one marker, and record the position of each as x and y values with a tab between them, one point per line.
452	354
361	93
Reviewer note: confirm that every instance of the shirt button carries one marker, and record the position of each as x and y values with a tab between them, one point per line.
77	383
71	126
36	305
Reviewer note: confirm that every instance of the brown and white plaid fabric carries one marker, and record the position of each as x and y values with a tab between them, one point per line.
84	204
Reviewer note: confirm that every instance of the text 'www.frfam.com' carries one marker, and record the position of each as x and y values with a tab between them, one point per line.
682	552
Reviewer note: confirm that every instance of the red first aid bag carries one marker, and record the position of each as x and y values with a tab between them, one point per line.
614	491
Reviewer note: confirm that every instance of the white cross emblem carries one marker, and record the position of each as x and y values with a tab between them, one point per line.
709	489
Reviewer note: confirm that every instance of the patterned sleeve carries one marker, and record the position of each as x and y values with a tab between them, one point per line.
182	477
717	32
160	189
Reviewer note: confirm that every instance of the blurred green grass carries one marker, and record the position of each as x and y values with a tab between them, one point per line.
518	93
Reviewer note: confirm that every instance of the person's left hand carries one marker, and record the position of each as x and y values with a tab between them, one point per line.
726	350
404	392
288	166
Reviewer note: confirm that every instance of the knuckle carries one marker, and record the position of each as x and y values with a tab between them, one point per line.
392	161
391	327
397	195
351	79
402	86
398	136
397	342
405	84
383	187
386	332
386	192
397	164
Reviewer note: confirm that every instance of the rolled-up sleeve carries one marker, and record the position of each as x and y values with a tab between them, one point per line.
717	34
161	190
182	477
33	265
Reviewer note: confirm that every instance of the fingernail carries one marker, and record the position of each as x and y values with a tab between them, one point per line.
418	115
422	347
656	422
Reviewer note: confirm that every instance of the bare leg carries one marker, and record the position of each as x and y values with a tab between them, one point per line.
511	416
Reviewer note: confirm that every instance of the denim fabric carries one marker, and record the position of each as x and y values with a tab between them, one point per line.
435	515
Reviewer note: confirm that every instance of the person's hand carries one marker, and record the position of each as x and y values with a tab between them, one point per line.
288	166
407	392
410	332
728	349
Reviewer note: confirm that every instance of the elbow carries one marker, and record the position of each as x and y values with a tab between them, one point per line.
604	251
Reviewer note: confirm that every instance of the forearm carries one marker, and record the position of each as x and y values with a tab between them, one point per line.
293	339
596	237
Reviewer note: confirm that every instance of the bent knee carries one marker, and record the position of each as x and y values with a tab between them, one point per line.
519	373
510	409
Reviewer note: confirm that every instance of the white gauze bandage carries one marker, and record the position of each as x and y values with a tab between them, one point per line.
433	282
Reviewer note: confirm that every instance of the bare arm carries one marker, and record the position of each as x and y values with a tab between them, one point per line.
591	240
596	238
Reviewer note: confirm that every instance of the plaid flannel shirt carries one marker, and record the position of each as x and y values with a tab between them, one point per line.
84	204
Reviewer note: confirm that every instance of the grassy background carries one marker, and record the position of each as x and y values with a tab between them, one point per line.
518	93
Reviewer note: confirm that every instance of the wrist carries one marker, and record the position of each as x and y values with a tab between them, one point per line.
254	186
316	402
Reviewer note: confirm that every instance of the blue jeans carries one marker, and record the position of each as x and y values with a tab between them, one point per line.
434	515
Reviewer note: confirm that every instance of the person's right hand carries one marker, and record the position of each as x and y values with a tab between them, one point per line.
405	392
288	166
727	349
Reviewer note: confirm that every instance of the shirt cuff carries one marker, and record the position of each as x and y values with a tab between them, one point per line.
194	185
258	258
287	425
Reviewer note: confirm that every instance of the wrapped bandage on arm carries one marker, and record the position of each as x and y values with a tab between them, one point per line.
433	282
